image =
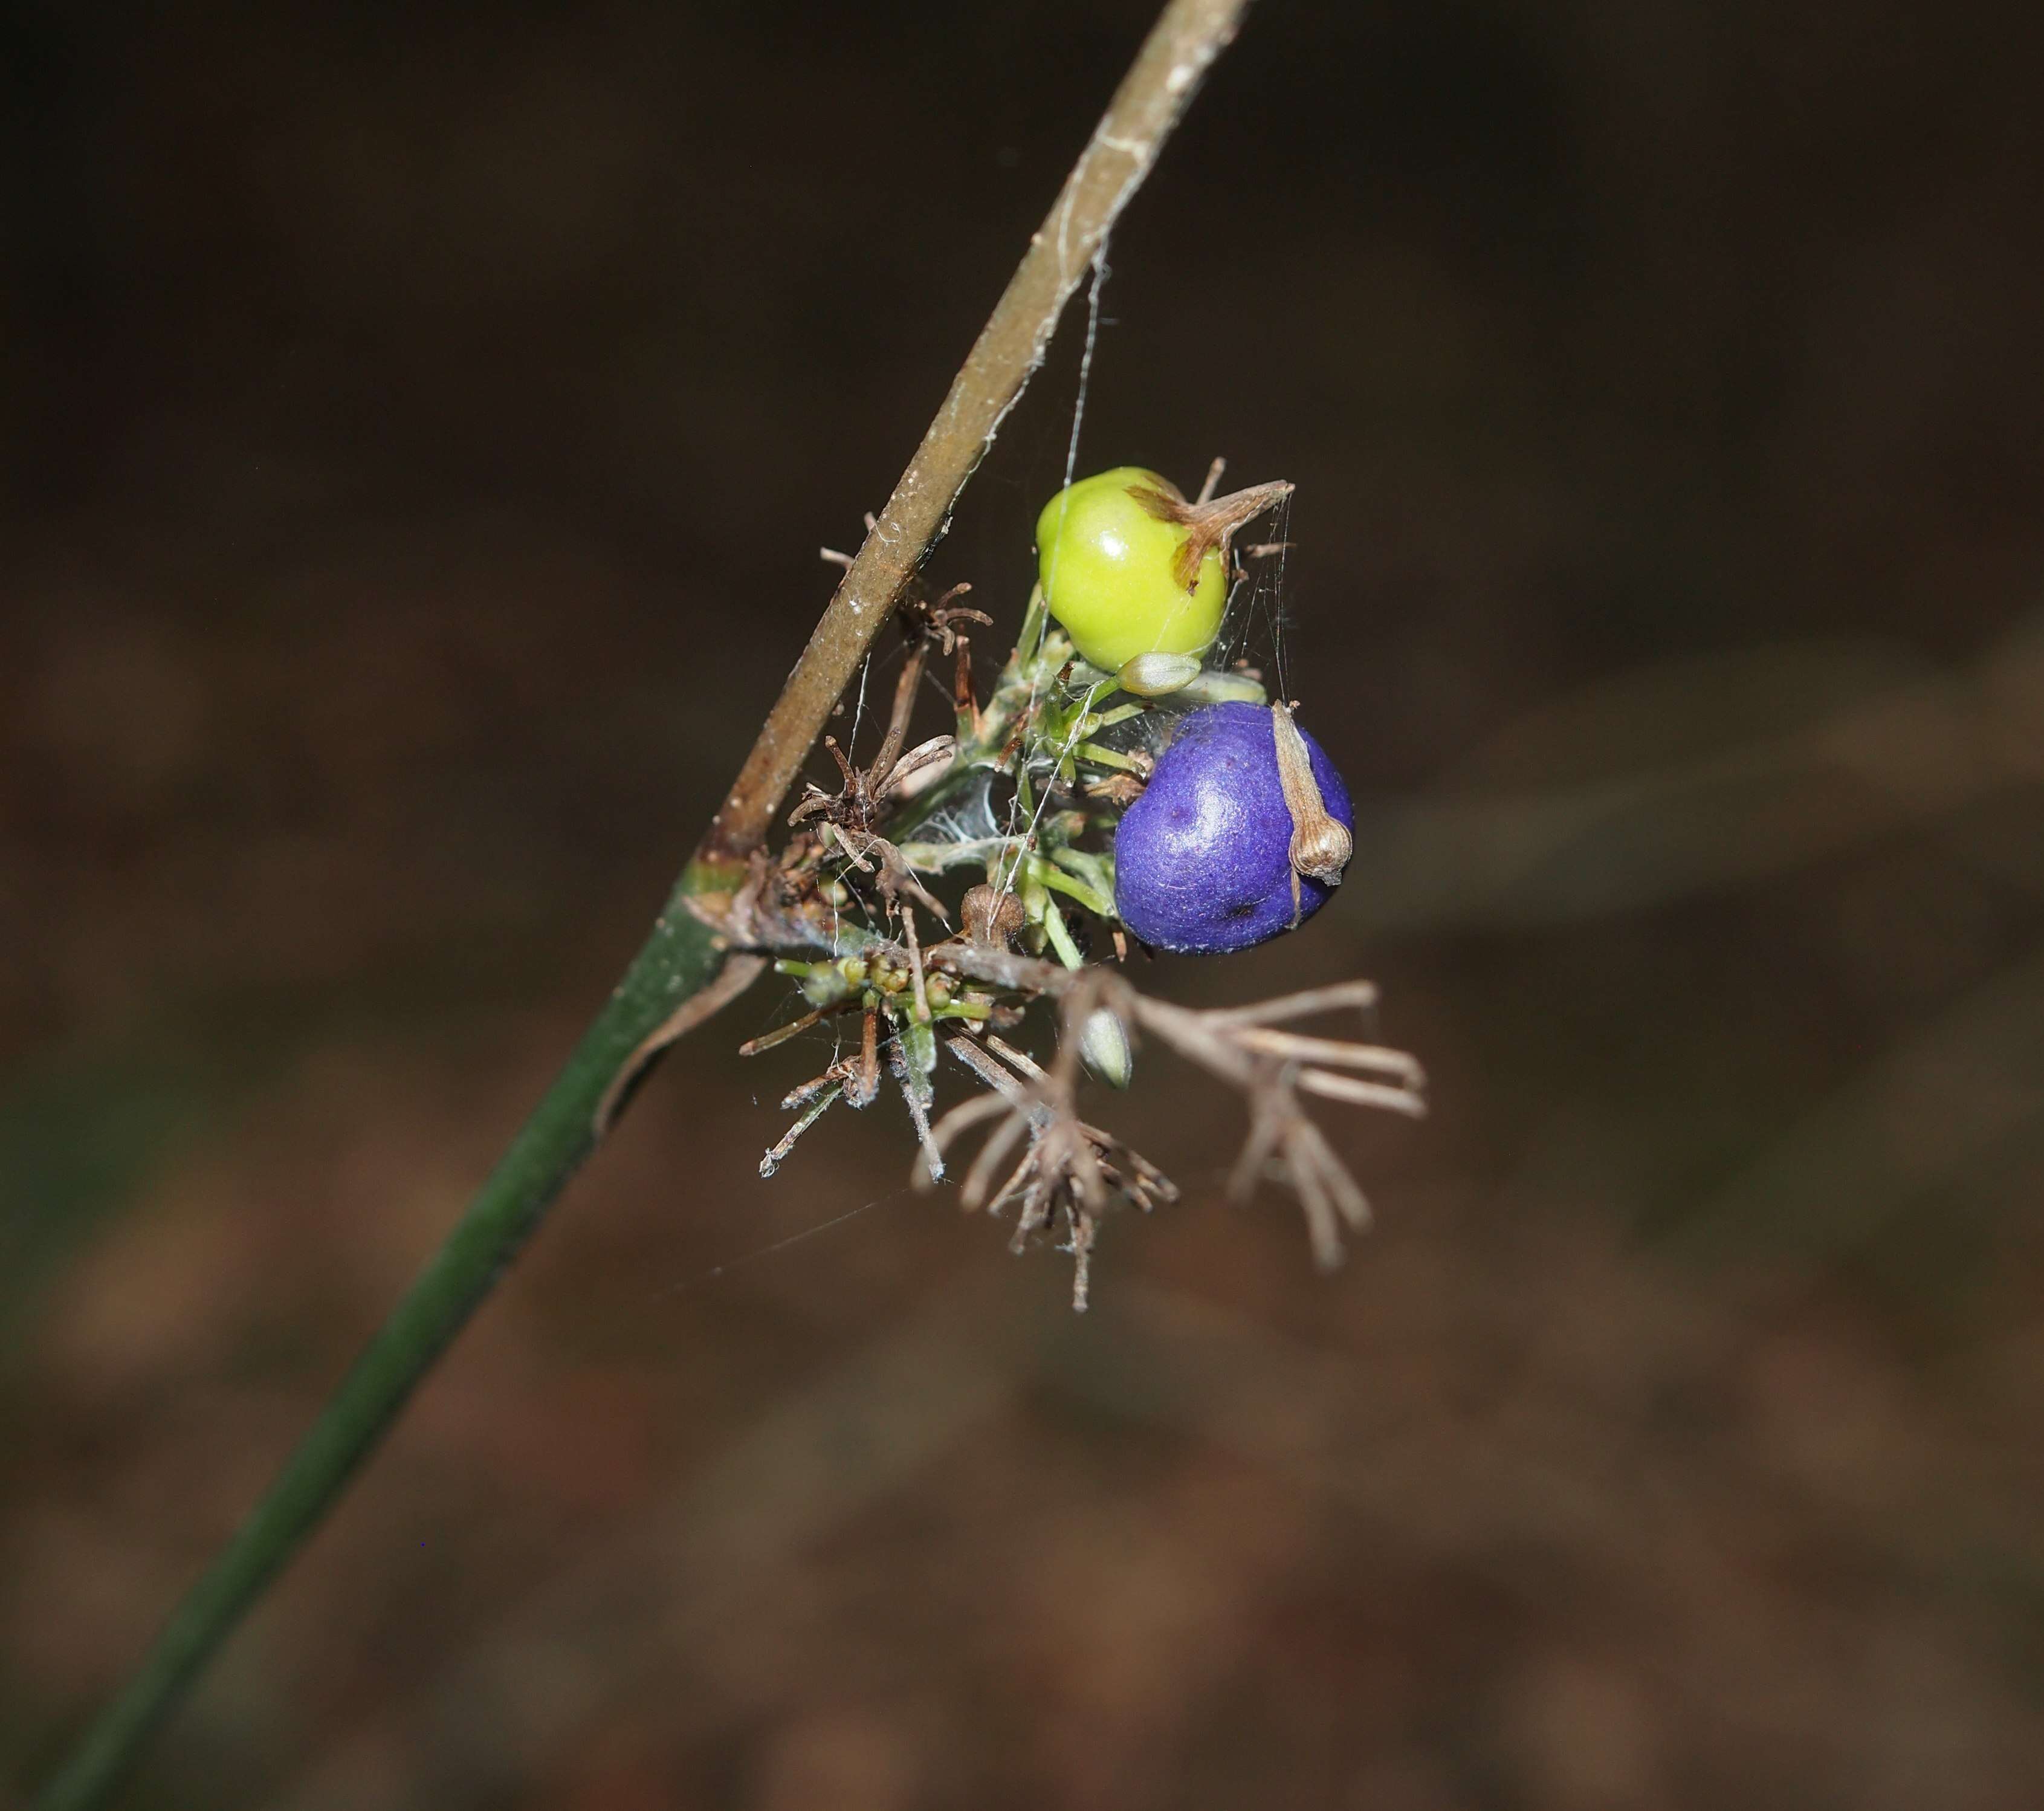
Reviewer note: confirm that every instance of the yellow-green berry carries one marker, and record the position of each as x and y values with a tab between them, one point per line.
1111	565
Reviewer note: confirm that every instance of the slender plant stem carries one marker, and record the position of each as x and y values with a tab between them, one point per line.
677	960
1159	85
685	954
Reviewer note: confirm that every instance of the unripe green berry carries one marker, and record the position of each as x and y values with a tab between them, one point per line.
1109	566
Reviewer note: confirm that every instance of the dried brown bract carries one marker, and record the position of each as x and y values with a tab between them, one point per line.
937	621
848	818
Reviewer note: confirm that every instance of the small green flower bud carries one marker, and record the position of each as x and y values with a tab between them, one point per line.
1158	676
1104	1048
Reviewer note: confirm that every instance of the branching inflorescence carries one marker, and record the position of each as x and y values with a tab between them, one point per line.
1162	801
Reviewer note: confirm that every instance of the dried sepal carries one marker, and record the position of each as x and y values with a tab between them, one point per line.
849	818
1210	523
1320	846
775	1157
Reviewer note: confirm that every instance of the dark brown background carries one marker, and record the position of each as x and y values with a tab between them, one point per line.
418	425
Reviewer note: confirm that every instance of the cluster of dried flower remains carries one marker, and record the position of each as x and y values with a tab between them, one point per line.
1061	1173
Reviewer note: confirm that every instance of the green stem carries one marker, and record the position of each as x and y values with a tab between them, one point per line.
1061	939
680	957
1102	757
1091	898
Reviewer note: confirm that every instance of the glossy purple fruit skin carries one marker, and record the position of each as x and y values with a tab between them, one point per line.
1202	860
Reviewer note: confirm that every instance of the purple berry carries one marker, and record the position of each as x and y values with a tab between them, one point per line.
1202	860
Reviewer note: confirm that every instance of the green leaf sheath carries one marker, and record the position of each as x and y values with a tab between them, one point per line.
680	956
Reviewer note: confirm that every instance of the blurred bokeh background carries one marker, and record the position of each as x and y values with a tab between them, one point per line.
418	427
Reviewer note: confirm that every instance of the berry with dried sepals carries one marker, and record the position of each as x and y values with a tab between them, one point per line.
1242	833
1130	568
